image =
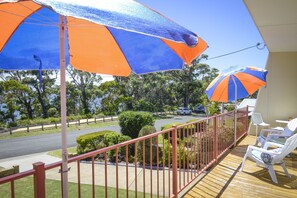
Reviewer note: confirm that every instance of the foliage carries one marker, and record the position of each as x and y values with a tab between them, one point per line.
131	122
213	108
115	138
181	133
11	124
53	112
89	142
230	107
85	86
147	130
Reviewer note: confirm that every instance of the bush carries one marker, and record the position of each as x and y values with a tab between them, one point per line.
115	138
53	112
131	122
183	132
90	142
54	120
214	108
74	117
146	130
168	126
11	124
26	122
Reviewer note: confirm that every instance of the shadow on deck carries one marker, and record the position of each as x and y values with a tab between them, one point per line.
225	180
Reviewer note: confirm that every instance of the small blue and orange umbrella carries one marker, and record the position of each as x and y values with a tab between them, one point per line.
236	83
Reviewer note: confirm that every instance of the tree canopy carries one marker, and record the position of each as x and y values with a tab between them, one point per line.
36	94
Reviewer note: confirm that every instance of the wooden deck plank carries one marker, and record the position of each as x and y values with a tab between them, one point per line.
225	180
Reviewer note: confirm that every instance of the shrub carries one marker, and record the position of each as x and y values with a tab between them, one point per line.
115	138
54	120
146	130
73	117
53	112
182	132
25	122
132	122
230	108
111	138
214	108
168	126
11	124
90	142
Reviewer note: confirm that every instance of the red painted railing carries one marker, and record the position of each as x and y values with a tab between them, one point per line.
157	165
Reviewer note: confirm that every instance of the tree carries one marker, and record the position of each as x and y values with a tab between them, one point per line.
17	97
40	91
85	82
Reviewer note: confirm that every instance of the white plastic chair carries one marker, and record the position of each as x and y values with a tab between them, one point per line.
277	135
268	158
257	120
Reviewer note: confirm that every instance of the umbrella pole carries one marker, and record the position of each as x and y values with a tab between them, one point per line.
63	108
235	110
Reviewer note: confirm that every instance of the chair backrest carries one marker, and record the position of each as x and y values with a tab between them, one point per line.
289	146
291	127
257	118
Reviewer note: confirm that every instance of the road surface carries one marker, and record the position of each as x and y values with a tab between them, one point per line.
47	142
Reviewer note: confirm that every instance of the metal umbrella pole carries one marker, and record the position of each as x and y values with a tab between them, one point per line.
64	170
235	111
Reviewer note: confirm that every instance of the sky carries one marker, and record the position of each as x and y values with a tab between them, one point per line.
226	26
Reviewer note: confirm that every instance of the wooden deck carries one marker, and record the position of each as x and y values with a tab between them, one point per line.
225	180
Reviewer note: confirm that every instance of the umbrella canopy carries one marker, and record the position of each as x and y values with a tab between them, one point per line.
236	83
114	37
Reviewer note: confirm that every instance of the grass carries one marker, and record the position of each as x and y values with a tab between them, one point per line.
24	188
58	130
57	153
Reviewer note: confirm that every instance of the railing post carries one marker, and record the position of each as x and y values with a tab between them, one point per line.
174	161
215	148
235	126
247	119
39	180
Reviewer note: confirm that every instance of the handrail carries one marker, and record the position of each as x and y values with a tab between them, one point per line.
186	152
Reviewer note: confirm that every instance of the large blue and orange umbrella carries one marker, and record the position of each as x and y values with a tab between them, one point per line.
114	37
236	83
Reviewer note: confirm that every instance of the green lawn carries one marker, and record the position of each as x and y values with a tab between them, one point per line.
58	130
24	189
57	153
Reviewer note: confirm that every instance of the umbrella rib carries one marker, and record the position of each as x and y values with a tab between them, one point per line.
33	19
45	17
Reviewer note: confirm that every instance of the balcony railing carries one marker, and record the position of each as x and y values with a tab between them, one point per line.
157	165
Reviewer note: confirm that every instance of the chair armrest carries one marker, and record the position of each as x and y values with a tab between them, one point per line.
271	144
270	131
251	148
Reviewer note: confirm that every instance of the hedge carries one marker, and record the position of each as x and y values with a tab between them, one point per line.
131	122
91	141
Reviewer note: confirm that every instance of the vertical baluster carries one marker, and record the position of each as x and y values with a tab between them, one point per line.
105	172
78	179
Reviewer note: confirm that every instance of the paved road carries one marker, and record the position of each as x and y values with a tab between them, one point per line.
42	143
